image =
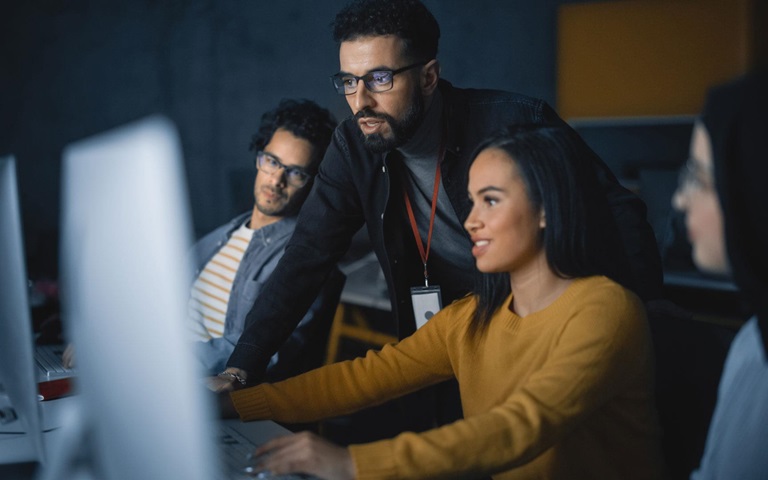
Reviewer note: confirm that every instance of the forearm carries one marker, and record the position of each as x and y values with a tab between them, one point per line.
305	349
281	304
326	392
477	447
345	387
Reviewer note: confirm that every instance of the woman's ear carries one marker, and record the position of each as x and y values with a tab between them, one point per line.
542	219
430	74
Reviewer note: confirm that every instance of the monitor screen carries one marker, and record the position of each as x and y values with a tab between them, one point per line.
20	428
125	234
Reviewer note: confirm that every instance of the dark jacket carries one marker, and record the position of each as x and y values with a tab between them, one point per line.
355	187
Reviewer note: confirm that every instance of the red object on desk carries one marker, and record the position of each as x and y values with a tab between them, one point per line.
55	388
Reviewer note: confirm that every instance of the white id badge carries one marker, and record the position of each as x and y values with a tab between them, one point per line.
426	302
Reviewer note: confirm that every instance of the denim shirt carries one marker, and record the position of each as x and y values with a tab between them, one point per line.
259	260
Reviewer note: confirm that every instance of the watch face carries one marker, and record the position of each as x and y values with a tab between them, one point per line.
232	376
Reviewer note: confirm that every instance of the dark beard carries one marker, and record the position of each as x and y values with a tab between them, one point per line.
291	207
402	130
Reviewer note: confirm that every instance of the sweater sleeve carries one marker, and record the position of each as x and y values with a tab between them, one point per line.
600	350
341	388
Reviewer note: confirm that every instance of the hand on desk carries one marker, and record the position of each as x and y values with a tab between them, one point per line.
306	452
226	381
68	357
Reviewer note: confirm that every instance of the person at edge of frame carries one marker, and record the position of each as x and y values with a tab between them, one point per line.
723	197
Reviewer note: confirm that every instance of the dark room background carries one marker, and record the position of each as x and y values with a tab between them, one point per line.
73	69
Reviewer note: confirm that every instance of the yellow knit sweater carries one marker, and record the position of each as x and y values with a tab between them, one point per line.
561	393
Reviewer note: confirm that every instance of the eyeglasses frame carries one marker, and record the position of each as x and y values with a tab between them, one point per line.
688	181
369	75
281	166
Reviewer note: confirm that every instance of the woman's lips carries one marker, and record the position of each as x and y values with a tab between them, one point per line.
479	247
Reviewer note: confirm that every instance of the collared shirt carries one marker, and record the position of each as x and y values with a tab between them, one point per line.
265	249
209	297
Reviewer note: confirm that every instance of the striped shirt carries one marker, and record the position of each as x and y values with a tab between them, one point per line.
210	292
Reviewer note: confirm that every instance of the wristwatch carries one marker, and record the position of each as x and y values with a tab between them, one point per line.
233	376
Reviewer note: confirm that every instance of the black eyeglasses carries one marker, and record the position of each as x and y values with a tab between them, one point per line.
376	81
297	177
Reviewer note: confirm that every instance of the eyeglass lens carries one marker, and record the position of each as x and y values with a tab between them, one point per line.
269	164
691	177
377	81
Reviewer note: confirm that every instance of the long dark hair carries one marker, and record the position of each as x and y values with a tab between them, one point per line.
556	167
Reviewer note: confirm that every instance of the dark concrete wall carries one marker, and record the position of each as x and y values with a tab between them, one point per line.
72	69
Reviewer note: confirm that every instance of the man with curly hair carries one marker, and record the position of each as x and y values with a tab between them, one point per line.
399	166
235	260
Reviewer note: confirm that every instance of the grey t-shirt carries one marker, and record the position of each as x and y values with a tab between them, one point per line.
450	254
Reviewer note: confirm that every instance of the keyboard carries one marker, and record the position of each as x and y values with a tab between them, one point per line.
235	452
49	362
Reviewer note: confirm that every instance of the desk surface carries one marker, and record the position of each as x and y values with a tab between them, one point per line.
257	432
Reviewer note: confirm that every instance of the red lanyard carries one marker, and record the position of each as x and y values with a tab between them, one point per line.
425	253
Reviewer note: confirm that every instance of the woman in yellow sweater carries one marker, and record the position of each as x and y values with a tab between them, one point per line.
553	358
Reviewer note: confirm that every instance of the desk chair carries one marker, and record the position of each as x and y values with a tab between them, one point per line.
350	323
364	301
689	355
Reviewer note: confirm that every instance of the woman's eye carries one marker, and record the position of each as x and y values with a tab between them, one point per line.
490	201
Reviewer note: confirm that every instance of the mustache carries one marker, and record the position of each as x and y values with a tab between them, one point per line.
368	113
274	191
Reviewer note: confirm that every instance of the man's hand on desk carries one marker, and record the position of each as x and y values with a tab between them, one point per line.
227	381
68	357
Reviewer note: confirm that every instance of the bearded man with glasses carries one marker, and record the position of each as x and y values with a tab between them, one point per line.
235	260
399	167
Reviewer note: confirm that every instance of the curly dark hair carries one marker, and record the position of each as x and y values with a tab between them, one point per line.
304	119
407	19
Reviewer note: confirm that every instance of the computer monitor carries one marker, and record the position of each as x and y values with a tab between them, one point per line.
124	284
21	436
